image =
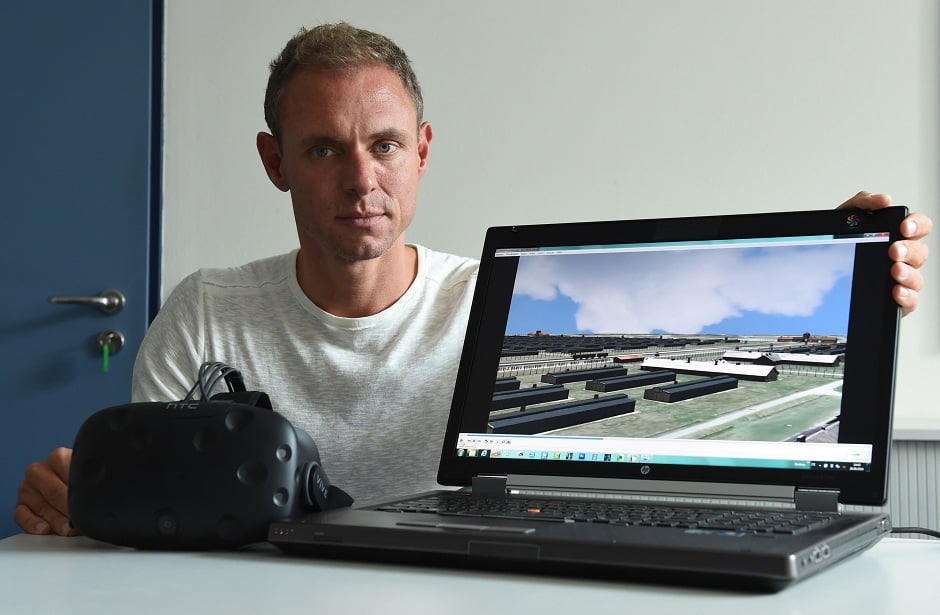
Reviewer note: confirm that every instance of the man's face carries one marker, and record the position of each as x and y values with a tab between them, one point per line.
351	155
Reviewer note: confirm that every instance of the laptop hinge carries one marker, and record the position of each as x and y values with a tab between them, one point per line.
489	485
819	500
780	496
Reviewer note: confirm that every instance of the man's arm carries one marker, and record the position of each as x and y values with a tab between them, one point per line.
908	254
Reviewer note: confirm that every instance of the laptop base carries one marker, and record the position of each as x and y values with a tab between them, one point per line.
582	550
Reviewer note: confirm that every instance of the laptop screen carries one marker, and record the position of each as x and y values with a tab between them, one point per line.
756	348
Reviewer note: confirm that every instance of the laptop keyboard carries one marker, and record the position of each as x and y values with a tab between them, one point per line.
767	522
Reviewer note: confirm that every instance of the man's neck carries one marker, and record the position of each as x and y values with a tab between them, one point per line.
354	289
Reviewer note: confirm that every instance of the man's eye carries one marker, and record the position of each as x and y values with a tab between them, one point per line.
386	148
321	152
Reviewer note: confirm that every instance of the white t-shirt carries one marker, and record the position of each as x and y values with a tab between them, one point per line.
373	392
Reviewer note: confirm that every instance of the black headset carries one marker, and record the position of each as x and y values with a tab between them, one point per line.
194	474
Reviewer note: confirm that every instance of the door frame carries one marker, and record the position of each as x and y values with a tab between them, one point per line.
155	265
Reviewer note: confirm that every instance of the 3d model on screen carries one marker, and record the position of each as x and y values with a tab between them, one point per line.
608	344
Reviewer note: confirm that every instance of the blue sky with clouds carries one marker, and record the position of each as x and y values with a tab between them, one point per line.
728	290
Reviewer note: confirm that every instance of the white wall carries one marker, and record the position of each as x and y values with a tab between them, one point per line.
546	110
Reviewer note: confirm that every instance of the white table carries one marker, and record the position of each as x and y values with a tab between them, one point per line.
46	574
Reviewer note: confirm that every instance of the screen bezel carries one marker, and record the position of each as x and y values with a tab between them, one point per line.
871	380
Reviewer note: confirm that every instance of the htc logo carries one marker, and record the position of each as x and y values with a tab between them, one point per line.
182	405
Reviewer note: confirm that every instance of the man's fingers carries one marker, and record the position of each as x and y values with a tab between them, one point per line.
907	276
46	483
29	521
36	515
906	298
911	252
43	500
867	200
916	226
43	495
59	461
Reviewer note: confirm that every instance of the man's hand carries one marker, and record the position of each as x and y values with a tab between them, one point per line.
908	254
43	506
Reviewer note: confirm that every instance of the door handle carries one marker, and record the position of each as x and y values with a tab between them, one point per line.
109	301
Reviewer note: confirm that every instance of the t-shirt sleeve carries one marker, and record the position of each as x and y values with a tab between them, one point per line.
171	352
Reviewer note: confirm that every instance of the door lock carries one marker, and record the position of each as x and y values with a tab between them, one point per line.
109	342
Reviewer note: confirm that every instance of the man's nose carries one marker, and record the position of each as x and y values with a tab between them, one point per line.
359	174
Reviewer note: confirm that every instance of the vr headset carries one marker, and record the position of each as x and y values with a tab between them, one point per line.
194	474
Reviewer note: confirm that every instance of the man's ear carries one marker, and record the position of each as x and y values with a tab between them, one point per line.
270	153
424	146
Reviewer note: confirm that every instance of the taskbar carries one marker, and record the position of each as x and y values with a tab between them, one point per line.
777	455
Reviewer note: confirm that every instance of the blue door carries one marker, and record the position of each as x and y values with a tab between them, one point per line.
78	165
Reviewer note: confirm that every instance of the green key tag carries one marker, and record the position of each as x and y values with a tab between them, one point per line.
106	357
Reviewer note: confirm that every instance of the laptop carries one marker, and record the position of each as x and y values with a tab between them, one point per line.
681	400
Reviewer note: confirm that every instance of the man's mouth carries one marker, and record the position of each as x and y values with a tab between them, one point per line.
362	220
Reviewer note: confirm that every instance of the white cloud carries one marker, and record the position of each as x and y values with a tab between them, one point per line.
684	291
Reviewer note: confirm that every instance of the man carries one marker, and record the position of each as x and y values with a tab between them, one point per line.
355	336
